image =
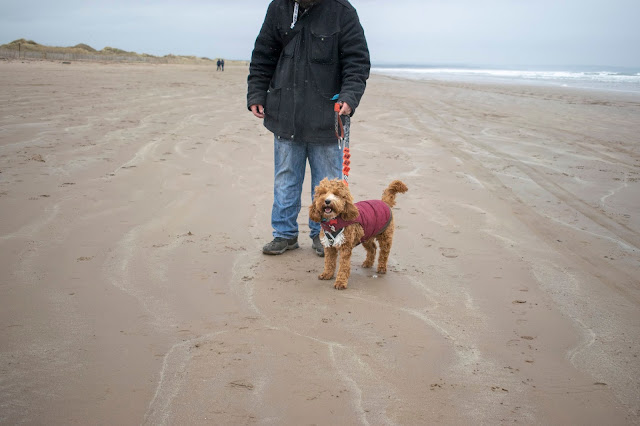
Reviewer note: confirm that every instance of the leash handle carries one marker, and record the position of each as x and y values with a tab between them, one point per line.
342	134
339	126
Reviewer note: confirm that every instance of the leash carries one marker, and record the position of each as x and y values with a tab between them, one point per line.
342	133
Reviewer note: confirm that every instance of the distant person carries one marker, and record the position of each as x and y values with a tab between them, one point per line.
222	64
306	52
218	67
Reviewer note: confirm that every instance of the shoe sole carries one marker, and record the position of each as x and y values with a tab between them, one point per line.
276	252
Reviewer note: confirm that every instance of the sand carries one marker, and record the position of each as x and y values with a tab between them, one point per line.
135	200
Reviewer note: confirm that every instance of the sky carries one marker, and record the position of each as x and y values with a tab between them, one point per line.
496	33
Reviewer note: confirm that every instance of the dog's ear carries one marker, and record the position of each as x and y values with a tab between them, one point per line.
350	211
314	213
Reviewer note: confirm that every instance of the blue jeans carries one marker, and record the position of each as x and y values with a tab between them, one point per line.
290	159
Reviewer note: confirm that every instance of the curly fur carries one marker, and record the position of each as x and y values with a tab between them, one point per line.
340	203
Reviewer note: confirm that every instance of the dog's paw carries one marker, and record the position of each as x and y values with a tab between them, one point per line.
325	276
340	285
382	269
366	264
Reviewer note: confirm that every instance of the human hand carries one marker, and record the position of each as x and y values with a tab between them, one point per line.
346	109
257	110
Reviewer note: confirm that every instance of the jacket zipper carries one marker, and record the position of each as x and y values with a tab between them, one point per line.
296	62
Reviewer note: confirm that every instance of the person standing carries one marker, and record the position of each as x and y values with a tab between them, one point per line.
307	52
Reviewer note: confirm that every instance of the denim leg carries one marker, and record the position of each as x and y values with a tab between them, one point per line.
290	160
325	161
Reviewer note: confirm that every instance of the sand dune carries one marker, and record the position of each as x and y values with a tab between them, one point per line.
135	200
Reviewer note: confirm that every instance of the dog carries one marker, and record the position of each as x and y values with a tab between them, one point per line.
346	224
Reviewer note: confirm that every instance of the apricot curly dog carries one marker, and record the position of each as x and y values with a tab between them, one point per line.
345	225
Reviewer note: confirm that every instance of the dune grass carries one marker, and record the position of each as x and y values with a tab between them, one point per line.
29	49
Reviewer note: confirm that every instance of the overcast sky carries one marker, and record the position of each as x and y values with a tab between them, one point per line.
474	32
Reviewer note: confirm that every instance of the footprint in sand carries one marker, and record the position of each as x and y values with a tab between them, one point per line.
513	342
449	252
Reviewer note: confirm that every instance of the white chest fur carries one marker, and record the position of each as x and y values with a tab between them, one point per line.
333	240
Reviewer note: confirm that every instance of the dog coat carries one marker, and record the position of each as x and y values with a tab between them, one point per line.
374	216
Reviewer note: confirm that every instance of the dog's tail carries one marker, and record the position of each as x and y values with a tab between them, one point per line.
389	194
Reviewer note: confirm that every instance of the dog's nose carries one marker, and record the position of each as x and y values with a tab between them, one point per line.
327	202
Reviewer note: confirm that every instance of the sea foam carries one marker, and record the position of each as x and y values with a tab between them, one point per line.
613	80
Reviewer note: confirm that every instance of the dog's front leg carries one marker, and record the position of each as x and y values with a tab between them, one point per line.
385	249
330	255
344	269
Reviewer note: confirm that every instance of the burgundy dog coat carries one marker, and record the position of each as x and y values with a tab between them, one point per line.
373	215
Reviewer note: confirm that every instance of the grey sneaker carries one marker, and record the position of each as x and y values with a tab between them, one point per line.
280	245
317	246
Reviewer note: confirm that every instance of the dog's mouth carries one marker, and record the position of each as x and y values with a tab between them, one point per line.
328	212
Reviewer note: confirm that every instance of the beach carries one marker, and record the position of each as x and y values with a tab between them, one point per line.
135	201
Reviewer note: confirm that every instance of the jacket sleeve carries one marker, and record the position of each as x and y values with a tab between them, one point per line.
354	60
264	59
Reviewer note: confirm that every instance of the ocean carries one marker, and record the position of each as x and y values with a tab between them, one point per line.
596	78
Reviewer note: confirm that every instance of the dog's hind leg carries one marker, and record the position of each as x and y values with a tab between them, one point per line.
370	247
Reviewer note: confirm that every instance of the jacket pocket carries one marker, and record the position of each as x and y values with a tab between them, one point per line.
322	48
272	107
326	79
320	116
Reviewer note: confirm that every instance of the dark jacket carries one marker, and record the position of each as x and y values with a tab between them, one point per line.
294	73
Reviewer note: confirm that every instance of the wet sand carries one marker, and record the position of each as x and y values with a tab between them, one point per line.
135	200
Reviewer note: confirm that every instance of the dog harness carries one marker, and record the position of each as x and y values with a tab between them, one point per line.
374	216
